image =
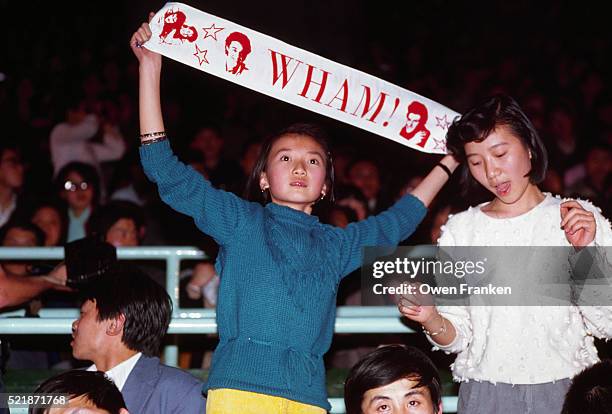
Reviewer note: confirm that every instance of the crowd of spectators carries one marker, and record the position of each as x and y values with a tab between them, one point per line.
68	106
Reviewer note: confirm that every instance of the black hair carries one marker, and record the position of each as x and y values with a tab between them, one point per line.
18	222
253	191
591	391
386	365
147	308
94	386
106	216
480	121
89	174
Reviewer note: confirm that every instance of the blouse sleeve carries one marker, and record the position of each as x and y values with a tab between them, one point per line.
595	265
457	315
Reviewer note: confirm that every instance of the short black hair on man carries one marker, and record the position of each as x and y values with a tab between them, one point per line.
591	391
386	365
106	216
126	290
92	385
480	121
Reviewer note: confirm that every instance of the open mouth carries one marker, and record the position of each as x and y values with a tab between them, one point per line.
299	184
503	188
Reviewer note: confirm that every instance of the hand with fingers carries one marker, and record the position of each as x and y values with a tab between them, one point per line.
579	224
418	307
139	38
58	277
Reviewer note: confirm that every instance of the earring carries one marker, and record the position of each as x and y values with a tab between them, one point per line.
322	195
263	189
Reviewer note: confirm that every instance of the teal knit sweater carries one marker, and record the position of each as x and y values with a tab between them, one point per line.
279	271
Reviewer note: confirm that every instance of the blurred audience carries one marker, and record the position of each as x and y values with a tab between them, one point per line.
11	179
78	184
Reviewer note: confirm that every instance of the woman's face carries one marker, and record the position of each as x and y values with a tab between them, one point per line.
77	192
123	233
500	163
50	222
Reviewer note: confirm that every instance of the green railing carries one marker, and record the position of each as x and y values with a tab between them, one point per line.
349	319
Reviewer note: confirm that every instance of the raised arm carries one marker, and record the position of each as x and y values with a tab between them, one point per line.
434	181
149	70
215	212
392	226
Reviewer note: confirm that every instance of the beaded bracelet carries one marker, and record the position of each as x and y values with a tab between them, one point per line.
439	331
153	134
153	141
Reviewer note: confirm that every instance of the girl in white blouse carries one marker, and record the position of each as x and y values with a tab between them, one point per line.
514	359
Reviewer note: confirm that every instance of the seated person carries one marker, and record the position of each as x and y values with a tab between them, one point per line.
89	391
591	391
123	321
394	379
119	223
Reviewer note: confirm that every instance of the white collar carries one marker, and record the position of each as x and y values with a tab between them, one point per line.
120	372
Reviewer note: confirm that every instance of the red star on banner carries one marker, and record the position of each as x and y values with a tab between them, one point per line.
211	31
439	144
201	55
442	122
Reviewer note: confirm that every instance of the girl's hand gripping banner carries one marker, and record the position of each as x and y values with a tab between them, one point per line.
293	75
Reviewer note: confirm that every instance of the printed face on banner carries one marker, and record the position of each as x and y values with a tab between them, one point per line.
174	23
416	118
237	48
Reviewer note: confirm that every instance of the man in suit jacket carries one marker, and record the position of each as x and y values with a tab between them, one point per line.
123	321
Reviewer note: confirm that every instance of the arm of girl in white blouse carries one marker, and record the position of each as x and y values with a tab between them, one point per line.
450	326
591	234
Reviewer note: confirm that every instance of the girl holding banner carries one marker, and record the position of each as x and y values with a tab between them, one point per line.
279	267
514	359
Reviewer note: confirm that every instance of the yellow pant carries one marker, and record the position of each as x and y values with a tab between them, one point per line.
228	401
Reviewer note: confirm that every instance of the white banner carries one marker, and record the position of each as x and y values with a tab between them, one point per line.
293	75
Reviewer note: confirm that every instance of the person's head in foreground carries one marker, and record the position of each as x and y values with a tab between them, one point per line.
89	392
591	391
394	379
125	313
500	150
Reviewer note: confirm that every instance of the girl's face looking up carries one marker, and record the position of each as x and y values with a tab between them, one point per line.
295	172
501	163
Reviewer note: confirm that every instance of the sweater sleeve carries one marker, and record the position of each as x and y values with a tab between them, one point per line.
595	301
457	315
215	212
388	228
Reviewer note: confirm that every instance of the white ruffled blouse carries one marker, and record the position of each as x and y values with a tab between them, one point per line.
523	344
